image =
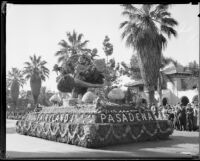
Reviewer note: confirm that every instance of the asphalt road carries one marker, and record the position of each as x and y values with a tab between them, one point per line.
180	145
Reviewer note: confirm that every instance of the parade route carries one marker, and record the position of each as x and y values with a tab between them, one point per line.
180	145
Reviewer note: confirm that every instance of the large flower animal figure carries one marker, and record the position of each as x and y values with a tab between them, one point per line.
87	74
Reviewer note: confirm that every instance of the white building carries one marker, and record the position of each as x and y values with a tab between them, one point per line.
174	87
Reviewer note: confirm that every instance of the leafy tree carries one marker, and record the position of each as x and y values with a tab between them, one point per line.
7	90
112	63
92	53
107	47
192	82
14	81
144	31
36	71
126	69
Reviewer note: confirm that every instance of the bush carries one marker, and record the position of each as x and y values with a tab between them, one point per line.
184	100
164	101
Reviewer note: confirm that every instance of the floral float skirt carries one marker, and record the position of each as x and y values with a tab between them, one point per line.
94	125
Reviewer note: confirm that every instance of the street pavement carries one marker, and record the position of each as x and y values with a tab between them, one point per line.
180	145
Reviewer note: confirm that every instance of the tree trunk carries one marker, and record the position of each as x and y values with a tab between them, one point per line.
35	98
150	97
35	83
159	86
15	92
149	59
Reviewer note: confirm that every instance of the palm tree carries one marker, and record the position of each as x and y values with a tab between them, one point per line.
73	46
43	96
134	69
145	31
36	71
14	81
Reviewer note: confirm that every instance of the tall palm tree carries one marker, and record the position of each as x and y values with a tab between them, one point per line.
73	46
135	70
145	31
43	96
36	71
14	81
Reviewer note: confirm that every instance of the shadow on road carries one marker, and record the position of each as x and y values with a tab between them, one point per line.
10	130
147	148
94	154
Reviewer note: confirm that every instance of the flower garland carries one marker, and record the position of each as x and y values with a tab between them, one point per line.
85	132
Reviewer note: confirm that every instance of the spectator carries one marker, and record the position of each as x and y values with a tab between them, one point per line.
170	114
196	115
189	117
154	109
160	115
164	113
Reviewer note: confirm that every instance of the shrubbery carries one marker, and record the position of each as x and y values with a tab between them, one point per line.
184	100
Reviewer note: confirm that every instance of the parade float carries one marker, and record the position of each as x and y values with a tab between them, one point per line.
102	117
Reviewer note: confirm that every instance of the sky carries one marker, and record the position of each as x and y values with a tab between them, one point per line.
37	29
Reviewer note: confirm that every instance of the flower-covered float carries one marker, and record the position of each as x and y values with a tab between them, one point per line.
96	119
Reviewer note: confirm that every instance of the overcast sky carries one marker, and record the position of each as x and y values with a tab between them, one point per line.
37	29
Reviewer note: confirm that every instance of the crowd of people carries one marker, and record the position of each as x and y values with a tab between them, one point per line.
183	117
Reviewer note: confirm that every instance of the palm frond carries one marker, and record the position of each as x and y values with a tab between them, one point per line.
168	31
27	63
83	44
130	41
165	13
38	59
163	40
162	7
42	63
123	24
80	37
61	58
43	77
74	35
133	16
34	58
131	8
64	44
169	21
31	58
146	8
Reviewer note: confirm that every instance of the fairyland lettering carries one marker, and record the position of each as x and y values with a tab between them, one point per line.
99	118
